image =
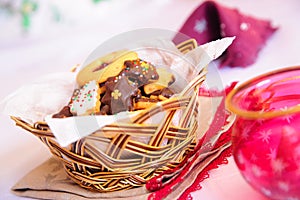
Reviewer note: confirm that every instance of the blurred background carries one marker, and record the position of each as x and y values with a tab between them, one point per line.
52	35
42	36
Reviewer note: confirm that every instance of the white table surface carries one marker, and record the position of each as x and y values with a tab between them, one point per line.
54	48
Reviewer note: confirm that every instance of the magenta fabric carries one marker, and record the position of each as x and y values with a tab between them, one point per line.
211	21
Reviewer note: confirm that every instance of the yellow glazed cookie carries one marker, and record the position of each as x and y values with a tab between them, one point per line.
164	80
108	66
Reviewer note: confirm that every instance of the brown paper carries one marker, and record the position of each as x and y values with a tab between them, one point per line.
49	181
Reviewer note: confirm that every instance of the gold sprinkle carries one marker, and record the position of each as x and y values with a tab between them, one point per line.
116	94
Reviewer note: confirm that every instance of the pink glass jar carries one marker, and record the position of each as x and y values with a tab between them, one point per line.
266	134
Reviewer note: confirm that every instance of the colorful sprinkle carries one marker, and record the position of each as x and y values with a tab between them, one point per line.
87	100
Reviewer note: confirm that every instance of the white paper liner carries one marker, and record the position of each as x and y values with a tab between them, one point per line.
45	96
40	100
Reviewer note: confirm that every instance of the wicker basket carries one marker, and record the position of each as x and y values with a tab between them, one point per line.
109	170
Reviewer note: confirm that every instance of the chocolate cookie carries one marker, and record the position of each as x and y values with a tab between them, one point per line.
144	102
139	72
119	94
63	113
165	79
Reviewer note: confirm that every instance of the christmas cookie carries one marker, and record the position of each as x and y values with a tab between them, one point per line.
118	82
63	113
86	101
166	92
139	72
144	102
105	67
165	79
119	95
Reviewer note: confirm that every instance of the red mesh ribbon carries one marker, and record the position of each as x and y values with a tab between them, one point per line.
211	21
160	188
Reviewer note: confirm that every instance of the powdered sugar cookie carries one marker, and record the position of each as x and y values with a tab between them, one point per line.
87	100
